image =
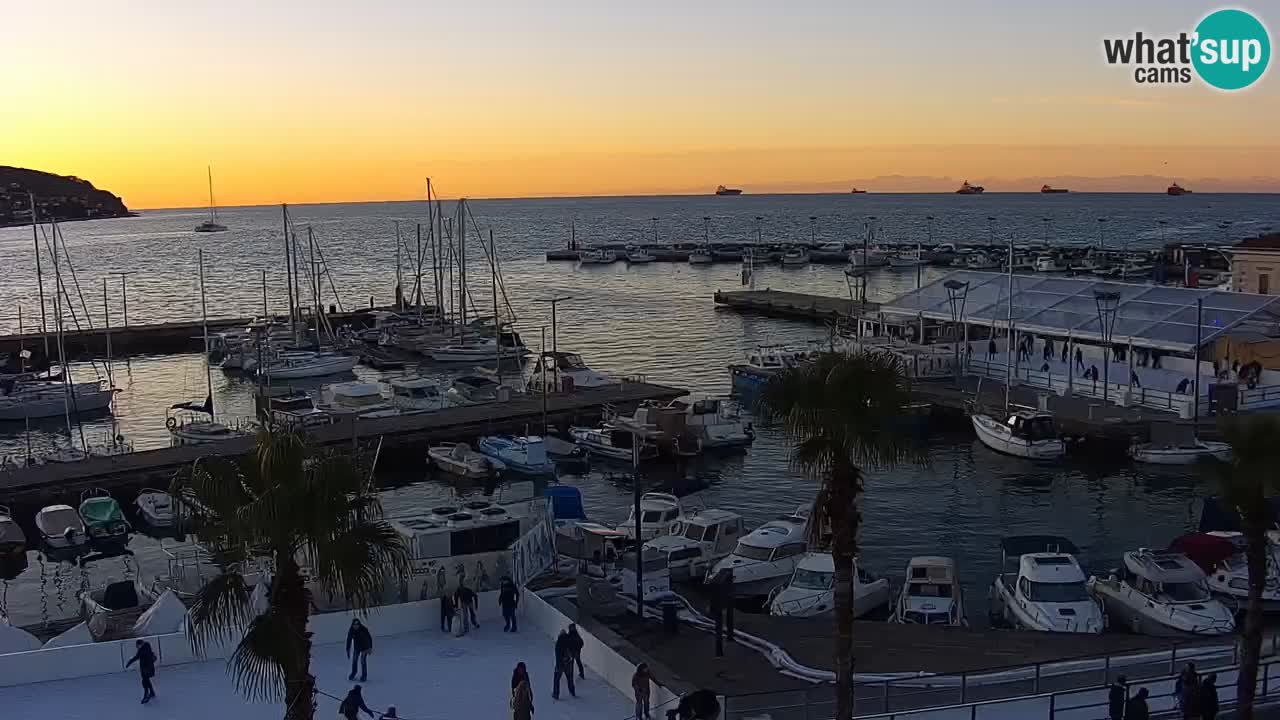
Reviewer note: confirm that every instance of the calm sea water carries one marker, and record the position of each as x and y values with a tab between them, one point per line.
657	320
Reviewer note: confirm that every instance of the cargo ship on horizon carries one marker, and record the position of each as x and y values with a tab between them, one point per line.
1176	189
722	190
1052	190
967	189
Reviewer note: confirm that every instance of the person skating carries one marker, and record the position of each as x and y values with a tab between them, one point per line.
353	703
1137	709
640	686
359	639
1117	697
564	664
575	646
146	659
509	601
521	694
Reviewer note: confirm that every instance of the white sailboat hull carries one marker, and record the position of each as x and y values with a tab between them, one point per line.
997	436
1202	450
313	368
54	405
463	353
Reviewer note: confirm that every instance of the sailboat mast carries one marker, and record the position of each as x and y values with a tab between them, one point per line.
1008	365
315	283
497	323
35	239
204	327
213	213
57	321
462	266
288	267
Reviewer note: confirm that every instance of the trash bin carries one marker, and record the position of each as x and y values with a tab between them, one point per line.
670	616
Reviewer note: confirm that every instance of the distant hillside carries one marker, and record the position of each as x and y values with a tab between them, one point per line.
61	197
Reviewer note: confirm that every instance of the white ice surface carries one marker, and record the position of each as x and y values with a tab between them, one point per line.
426	675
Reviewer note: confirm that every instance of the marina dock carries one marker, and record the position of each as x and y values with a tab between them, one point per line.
402	433
777	303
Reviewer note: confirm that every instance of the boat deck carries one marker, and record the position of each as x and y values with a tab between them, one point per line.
778	303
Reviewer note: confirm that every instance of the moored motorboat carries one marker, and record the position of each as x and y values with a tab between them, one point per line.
597	256
564	371
305	365
658	512
460	459
612	442
103	519
482	349
1046	591
472	389
1221	555
795	257
701	255
524	454
60	528
767	556
13	541
1161	593
931	593
639	255
906	259
156	508
1180	454
697	541
713	424
364	400
811	590
416	394
1025	434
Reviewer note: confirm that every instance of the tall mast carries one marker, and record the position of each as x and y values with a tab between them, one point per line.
315	283
57	321
462	267
204	326
213	213
497	323
1008	365
35	239
288	266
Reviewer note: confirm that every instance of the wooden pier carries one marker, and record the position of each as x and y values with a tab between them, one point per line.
777	303
407	433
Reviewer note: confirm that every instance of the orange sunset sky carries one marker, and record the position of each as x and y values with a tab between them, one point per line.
329	101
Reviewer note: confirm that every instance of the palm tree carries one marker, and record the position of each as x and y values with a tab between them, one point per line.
1255	448
283	505
839	412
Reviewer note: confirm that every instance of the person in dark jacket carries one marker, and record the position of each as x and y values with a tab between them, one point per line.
359	639
446	613
1136	709
508	600
352	704
1187	690
1209	697
390	714
146	659
575	646
564	664
1117	697
699	705
464	599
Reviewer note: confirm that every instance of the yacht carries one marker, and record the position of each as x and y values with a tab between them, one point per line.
13	542
103	520
931	594
906	259
1025	434
473	389
702	255
1187	453
1048	262
1221	555
767	556
637	255
722	190
460	459
697	541
967	189
211	224
416	394
308	364
564	370
1162	593
362	399
611	442
811	589
156	508
657	577
1047	591
61	528
482	349
713	424
525	455
597	256
795	257
44	400
658	513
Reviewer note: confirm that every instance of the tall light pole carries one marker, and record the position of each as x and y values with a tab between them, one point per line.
1046	230
813	231
124	293
655	233
1102	242
957	294
1107	303
706	231
554	300
991	230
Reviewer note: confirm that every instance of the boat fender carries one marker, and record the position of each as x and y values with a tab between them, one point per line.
171	423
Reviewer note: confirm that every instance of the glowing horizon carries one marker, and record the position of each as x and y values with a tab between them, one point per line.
314	103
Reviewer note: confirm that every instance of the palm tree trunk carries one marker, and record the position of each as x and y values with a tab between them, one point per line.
1251	652
294	600
844	541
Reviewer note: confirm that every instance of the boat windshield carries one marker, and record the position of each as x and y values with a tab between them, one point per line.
812	579
699	533
1058	592
752	552
652	517
929	590
1185	591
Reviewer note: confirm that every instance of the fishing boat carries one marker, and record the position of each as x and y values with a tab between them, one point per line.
702	255
1045	189
1187	453
1026	434
156	508
61	528
906	259
767	556
416	394
103	519
611	442
658	512
713	424
795	257
931	594
722	190
639	255
211	224
811	590
525	454
459	459
1162	593
967	189
597	256
1176	189
1221	555
473	389
697	541
296	366
13	542
1046	590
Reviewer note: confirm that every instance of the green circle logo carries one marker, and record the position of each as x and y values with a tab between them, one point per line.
1232	49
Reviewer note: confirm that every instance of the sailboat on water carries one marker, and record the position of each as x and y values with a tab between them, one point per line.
212	224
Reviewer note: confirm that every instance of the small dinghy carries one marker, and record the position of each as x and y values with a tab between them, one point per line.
61	528
525	454
13	542
156	508
112	611
460	459
104	522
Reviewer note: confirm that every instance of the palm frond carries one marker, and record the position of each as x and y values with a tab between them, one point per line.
220	610
356	564
269	648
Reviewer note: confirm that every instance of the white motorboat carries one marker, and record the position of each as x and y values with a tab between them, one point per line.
767	556
872	258
460	459
306	365
639	255
795	257
657	577
1025	434
61	528
1187	453
714	425
597	256
1162	593
1221	555
702	255
658	514
811	589
1047	591
931	594
611	442
979	260
906	259
13	542
564	370
416	394
191	429
361	399
482	349
156	508
697	541
522	454
1047	262
297	409
472	389
53	400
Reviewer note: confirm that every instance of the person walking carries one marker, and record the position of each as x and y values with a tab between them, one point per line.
991	348
640	686
575	647
146	659
360	640
509	601
1066	347
1189	692
446	613
1079	359
1136	709
1209	697
564	664
465	600
521	694
352	704
1117	697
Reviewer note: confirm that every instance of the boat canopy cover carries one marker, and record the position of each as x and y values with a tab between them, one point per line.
1203	549
1018	545
101	510
1162	566
566	502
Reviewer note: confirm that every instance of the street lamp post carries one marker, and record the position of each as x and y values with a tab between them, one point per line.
554	300
991	230
124	293
1046	231
957	293
1102	243
1107	303
706	231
